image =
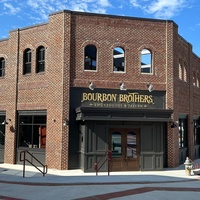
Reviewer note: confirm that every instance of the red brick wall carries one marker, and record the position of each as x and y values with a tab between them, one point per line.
131	34
64	37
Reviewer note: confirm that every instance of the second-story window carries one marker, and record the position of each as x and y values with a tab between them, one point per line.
40	60
118	59
27	61
146	61
2	67
183	133
90	59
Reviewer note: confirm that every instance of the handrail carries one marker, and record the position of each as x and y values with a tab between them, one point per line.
24	159
108	153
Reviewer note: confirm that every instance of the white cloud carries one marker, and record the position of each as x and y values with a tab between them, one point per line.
165	8
160	8
44	7
10	9
32	4
135	3
104	3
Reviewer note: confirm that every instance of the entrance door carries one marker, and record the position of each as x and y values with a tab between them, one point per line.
124	144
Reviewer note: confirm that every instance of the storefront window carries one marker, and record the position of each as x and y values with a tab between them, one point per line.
32	131
131	145
183	133
196	132
2	131
116	144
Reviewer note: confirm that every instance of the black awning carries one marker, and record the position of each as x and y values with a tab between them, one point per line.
122	114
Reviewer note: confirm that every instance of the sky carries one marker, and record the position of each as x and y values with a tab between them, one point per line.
16	14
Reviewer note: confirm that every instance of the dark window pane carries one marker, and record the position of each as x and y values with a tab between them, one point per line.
39	120
2	131
116	145
90	57
25	136
2	67
40	60
27	62
25	119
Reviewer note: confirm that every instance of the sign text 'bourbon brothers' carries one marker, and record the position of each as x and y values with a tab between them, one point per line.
117	100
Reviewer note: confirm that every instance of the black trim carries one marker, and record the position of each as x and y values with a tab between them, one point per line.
2	112
32	112
121	114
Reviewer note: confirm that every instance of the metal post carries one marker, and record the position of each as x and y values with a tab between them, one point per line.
109	159
96	168
24	165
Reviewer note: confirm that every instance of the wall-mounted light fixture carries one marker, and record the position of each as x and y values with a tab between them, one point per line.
174	124
91	86
9	121
122	86
150	87
65	122
6	121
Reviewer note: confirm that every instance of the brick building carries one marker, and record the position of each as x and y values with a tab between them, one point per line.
85	83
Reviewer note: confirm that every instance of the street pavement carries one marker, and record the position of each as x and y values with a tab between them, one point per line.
168	184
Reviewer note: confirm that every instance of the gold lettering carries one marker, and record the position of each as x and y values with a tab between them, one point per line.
121	98
84	97
142	99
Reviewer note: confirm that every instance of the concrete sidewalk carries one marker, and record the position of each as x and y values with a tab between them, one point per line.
75	184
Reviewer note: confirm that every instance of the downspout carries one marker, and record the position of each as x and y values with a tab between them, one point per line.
166	58
16	92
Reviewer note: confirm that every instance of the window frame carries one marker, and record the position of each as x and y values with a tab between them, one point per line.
40	59
35	126
27	61
146	52
90	58
183	133
120	63
2	67
196	131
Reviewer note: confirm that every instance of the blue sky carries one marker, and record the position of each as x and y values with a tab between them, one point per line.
185	13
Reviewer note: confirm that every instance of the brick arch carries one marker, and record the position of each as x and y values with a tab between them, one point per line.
28	46
148	47
40	44
119	44
90	42
4	56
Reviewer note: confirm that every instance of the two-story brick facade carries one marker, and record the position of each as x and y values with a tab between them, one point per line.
142	103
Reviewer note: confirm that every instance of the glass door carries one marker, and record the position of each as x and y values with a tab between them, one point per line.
124	144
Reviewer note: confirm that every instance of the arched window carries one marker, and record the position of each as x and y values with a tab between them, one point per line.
90	57
185	72
2	67
27	61
194	78
180	70
146	61
118	59
198	80
40	59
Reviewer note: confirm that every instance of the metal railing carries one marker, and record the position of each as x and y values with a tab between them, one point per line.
23	159
108	157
